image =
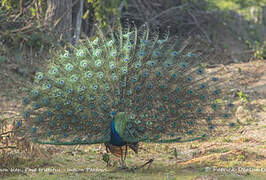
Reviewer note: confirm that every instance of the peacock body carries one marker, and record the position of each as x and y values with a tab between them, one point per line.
122	88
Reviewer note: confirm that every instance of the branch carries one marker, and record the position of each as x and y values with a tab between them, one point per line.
198	25
14	147
167	11
6	133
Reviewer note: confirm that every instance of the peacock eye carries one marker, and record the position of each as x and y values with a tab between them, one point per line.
145	74
110	43
141	53
114	77
112	65
54	71
82	88
73	78
35	92
97	52
88	74
132	116
36	106
123	84
214	79
95	87
174	53
100	75
230	105
66	55
226	115
61	82
137	65
39	76
104	98
149	85
98	63
80	108
70	90
113	53
117	92
200	71
124	70
214	106
25	100
129	92
92	97
126	59
83	64
149	123
80	53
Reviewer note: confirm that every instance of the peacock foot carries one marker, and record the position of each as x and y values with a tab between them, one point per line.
123	165
145	164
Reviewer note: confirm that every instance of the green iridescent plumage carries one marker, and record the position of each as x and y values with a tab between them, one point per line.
158	88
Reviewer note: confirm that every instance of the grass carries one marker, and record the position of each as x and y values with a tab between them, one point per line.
87	163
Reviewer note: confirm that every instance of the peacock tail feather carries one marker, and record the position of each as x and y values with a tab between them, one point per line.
154	90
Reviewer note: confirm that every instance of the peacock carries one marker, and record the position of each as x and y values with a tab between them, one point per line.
125	86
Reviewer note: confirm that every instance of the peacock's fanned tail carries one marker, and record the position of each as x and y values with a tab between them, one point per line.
160	84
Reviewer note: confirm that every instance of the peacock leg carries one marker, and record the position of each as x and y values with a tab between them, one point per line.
123	159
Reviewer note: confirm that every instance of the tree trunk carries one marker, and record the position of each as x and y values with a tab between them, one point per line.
264	15
264	22
59	17
78	23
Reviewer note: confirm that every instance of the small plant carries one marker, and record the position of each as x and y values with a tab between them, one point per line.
242	96
258	48
194	146
227	139
245	139
241	158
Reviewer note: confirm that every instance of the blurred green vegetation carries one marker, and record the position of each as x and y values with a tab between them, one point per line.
103	10
241	6
105	13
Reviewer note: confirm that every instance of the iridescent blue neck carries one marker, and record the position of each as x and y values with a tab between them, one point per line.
115	137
